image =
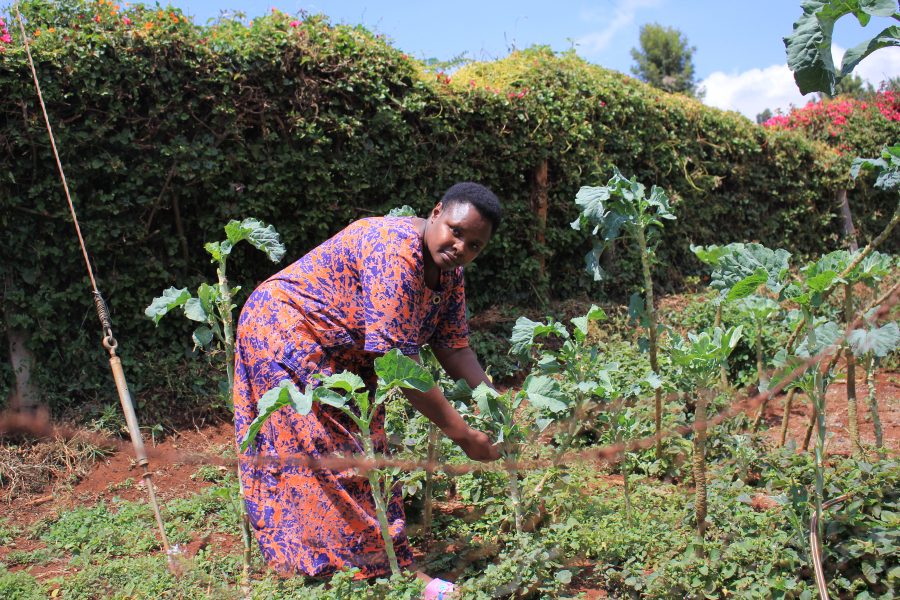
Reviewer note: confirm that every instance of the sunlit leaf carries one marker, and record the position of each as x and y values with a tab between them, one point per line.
258	234
395	370
171	298
284	394
880	341
544	392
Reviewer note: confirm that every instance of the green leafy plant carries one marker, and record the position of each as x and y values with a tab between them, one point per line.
622	207
870	344
697	358
809	47
740	270
213	307
347	392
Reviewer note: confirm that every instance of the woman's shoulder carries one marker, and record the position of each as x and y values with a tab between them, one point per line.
387	228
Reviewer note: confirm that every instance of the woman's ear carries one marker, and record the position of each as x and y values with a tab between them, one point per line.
436	211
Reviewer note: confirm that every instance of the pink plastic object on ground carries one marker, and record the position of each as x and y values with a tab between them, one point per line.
438	589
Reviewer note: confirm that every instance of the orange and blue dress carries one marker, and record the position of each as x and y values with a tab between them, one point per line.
348	301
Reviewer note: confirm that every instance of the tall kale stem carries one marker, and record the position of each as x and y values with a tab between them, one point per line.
651	318
762	377
723	368
700	467
873	404
851	376
228	341
379	496
511	457
429	479
786	417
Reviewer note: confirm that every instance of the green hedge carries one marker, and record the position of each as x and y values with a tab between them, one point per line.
168	129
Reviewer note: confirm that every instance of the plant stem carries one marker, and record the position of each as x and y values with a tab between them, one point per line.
851	375
761	377
651	318
873	404
514	495
228	341
429	480
700	467
625	473
379	495
819	400
786	417
723	368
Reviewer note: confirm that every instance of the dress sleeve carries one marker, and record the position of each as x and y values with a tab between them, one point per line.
390	291
453	329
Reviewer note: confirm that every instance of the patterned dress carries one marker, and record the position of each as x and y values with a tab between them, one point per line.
353	298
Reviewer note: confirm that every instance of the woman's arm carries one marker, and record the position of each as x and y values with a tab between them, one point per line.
461	363
476	444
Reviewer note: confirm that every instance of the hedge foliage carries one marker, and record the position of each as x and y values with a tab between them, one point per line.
168	129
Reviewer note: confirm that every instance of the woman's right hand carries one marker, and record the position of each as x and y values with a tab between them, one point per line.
478	445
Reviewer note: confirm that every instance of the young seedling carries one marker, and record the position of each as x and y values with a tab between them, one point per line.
498	414
347	392
696	359
585	376
621	207
213	308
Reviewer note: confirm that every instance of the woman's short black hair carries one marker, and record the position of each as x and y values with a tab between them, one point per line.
483	199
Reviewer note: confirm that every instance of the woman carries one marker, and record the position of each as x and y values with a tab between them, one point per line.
381	283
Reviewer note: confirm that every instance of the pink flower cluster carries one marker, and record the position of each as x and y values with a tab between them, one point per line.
4	34
888	103
830	116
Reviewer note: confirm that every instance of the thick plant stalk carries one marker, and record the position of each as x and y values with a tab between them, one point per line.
819	400
873	404
651	318
228	335
514	495
625	473
762	378
379	496
700	466
813	416
427	510
851	376
786	417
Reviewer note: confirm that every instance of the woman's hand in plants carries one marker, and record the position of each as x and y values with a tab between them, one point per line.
478	445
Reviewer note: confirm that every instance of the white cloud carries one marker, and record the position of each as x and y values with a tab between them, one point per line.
751	92
622	17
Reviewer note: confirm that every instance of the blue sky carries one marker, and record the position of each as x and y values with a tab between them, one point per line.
739	57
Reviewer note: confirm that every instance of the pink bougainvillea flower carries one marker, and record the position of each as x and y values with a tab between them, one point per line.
295	23
126	20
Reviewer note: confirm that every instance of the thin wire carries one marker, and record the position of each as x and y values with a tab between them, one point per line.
59	166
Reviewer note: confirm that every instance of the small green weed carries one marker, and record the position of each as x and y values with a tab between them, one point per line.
20	586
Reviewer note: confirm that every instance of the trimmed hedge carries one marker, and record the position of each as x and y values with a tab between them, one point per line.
168	129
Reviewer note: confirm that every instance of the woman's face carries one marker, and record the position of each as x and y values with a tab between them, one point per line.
456	235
